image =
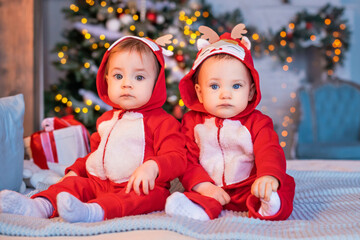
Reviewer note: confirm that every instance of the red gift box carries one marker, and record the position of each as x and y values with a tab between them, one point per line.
62	141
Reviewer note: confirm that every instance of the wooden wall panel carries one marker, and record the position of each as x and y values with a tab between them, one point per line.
17	54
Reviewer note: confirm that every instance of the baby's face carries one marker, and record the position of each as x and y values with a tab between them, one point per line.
131	78
224	87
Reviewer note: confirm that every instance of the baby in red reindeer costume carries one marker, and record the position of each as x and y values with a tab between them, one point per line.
235	161
137	150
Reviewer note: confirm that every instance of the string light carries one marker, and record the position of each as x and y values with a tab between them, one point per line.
63	61
88	102
291	25
69	104
284	133
97	108
106	45
64	100
283	43
60	54
86	65
255	36
110	9
189	22
83	20
94	46
87	35
327	21
132	28
337	51
141	34
283	144
283	34
103	3
292	109
293	95
205	14
57	109
85	110
342	26
197	14
119	10
271	47
77	110
313	37
337	43
181	103
136	17
285	68
170	48
102	37
289	59
58	97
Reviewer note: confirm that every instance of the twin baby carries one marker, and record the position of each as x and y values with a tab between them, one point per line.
225	152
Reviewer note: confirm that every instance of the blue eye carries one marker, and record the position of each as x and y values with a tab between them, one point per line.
236	86
214	86
139	77
118	76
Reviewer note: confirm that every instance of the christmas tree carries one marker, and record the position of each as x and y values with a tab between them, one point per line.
97	24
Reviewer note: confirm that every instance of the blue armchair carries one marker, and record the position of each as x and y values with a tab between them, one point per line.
329	125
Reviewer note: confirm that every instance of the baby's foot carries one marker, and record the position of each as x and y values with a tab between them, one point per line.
179	205
271	207
16	203
72	209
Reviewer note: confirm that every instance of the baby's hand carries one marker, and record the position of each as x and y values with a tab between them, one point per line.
145	175
210	190
264	186
69	174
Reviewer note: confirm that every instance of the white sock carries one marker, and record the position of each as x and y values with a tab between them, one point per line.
16	203
271	207
177	204
72	209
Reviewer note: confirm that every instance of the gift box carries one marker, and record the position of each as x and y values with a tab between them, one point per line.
59	144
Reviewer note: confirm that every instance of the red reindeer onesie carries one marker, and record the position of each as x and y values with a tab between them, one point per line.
232	153
123	141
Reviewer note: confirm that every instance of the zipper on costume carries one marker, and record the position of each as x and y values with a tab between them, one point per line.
107	139
220	125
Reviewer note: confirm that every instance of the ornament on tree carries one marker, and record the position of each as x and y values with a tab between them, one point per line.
179	57
178	112
151	16
309	25
113	24
126	19
160	19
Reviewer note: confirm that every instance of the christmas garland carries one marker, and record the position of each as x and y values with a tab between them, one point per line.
325	30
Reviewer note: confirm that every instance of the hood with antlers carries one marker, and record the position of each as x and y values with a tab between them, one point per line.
210	43
158	97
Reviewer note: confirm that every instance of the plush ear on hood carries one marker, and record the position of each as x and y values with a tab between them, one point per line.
209	36
162	41
238	32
